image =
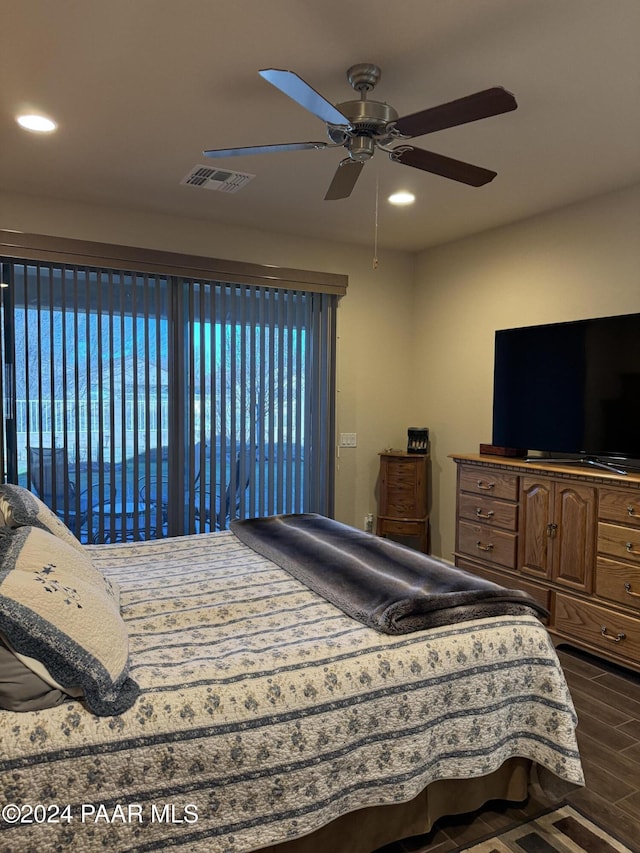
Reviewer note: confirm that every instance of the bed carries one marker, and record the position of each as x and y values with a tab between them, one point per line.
262	717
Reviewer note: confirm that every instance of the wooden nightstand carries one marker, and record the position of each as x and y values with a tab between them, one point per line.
402	496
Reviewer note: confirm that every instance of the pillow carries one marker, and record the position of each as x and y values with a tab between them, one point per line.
21	689
19	507
56	608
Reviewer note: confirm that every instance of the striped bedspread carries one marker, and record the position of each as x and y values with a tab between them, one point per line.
265	712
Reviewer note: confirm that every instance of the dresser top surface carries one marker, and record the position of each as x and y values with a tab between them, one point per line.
559	469
403	454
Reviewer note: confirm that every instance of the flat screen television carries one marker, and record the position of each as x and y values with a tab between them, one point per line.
570	390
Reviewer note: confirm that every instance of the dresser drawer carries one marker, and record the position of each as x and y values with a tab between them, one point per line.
401	528
601	628
618	541
620	506
539	593
487	544
618	582
489	482
488	511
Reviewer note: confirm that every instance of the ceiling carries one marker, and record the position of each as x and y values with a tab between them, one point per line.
141	87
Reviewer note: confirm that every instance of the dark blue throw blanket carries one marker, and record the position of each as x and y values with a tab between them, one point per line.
387	586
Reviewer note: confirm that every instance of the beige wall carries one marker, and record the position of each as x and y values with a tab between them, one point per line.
579	261
374	318
416	335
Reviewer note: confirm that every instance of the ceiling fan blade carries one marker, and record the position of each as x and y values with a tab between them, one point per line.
446	167
301	92
264	149
489	102
344	180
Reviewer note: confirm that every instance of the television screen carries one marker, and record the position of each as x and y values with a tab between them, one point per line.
569	388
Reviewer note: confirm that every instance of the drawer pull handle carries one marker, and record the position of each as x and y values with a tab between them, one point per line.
551	529
485	486
629	546
629	591
620	636
630	510
480	514
482	547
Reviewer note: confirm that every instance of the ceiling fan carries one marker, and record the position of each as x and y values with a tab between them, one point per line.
361	126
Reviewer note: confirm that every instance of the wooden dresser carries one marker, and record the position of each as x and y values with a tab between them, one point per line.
402	496
568	535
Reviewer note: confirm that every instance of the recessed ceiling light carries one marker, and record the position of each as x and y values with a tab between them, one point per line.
402	198
36	123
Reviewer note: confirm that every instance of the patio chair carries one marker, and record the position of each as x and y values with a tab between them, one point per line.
230	509
48	468
47	474
153	495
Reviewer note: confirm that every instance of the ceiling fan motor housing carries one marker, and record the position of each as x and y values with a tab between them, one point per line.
368	121
368	115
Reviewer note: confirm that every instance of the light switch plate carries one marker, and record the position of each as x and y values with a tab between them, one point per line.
348	439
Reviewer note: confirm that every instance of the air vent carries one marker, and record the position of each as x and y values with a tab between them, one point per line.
216	179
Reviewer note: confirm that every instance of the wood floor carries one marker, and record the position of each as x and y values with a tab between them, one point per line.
607	701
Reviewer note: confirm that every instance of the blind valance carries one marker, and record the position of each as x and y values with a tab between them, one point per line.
63	250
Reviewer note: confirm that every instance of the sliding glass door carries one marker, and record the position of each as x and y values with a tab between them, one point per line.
140	406
86	404
254	438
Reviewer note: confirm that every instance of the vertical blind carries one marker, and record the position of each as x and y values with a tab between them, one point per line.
144	405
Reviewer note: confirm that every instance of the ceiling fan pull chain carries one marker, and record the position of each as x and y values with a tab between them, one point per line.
375	230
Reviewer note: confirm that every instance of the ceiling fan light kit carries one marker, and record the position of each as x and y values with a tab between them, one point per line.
362	126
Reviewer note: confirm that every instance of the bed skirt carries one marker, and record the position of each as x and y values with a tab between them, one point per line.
366	830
